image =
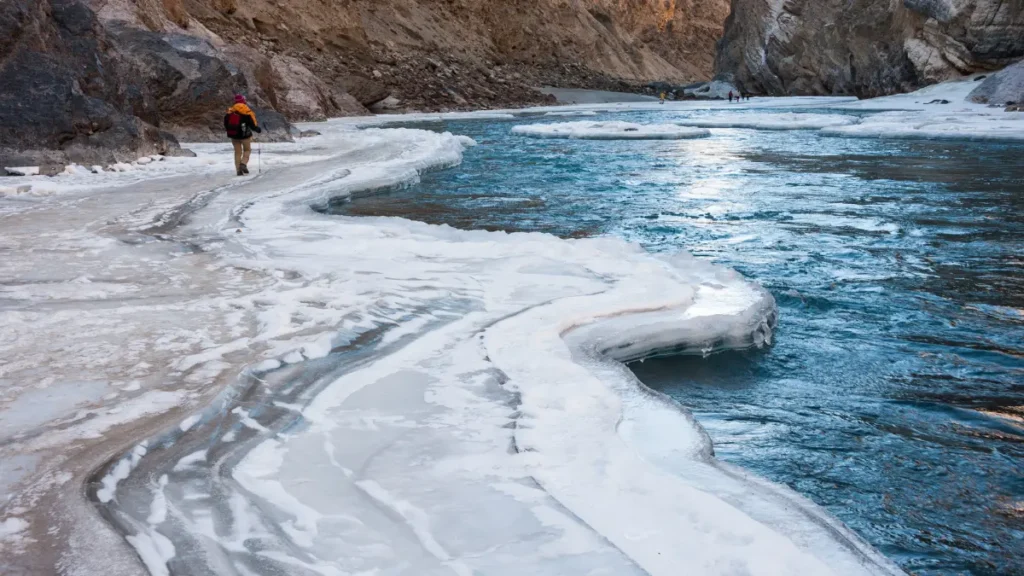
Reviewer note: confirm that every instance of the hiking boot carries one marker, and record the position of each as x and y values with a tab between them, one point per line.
239	171
243	168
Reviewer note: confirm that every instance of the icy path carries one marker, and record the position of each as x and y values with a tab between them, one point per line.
401	398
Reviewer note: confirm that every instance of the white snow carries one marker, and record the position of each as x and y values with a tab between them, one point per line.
110	481
941	111
189	422
11	527
23	170
13	536
192	459
154	548
119	472
769	121
248	420
964	125
571	113
158	507
585	130
954	91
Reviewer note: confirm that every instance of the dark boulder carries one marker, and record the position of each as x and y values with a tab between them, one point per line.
73	89
61	95
276	128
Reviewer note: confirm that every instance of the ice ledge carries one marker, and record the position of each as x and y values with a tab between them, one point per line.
633	464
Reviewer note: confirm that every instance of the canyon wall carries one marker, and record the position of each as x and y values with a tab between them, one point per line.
459	53
864	47
98	81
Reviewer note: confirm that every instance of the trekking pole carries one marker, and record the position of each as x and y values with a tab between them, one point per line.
259	158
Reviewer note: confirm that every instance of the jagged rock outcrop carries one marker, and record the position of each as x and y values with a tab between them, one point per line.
864	47
189	85
300	95
63	96
75	87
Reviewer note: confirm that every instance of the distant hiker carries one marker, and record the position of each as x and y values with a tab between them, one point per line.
239	123
730	95
662	97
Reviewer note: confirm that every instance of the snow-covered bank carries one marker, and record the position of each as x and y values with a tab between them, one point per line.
941	111
997	126
585	130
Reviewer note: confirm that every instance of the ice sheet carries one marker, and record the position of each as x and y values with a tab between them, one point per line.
650	105
769	121
572	113
954	92
609	131
941	111
956	125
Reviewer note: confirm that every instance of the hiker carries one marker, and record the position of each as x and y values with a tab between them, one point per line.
730	95
239	123
662	97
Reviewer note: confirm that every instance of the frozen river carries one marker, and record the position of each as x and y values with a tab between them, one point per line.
274	375
893	394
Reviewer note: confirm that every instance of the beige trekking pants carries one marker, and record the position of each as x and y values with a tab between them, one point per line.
242	150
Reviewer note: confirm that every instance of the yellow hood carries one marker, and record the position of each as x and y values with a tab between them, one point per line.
244	109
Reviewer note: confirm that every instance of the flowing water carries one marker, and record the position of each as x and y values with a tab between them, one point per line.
894	395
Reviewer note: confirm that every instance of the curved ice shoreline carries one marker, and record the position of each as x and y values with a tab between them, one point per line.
469	322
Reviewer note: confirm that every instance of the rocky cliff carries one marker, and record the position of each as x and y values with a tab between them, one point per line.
62	90
864	47
97	81
447	53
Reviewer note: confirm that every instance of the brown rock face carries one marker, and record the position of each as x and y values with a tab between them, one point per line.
438	54
864	47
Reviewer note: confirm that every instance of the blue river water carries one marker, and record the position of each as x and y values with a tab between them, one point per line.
894	393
